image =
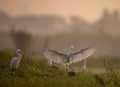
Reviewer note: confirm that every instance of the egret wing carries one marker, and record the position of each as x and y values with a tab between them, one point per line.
82	54
13	63
54	56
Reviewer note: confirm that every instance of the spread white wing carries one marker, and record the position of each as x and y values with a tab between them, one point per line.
54	56
82	54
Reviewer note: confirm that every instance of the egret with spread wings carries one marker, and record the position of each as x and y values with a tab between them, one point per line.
70	57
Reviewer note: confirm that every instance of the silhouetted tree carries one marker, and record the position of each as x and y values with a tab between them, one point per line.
22	39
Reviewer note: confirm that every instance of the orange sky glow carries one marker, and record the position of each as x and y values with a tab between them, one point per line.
88	9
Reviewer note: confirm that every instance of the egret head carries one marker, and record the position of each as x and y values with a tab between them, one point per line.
72	47
18	51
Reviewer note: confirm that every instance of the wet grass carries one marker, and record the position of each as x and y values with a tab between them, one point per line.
34	72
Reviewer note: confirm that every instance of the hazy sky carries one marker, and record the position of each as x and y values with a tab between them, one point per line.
88	9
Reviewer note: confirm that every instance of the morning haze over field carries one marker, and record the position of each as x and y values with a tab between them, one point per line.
59	43
90	10
94	23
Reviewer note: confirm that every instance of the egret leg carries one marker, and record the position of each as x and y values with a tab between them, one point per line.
13	72
70	67
66	67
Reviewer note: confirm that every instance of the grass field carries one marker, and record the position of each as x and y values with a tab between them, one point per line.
34	72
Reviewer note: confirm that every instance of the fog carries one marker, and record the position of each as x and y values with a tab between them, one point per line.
54	31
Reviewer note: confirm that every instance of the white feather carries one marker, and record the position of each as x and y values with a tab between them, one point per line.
15	61
54	56
82	54
70	57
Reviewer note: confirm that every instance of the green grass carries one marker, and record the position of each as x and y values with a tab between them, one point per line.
34	72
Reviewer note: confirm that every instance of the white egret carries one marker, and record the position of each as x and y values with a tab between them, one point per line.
70	57
83	68
15	61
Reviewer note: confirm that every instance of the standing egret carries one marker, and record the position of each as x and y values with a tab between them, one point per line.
70	57
15	61
83	68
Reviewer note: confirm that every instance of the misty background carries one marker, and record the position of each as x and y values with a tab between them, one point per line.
36	25
53	31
